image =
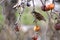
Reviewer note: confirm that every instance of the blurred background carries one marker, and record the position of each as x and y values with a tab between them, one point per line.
27	23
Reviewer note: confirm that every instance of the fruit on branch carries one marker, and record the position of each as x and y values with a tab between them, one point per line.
34	38
16	28
51	6
47	7
57	26
38	16
28	4
43	8
37	28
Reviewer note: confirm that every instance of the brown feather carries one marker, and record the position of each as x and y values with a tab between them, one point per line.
38	16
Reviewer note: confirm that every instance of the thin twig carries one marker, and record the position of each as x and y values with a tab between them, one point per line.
33	5
53	1
51	24
45	1
19	18
35	20
42	2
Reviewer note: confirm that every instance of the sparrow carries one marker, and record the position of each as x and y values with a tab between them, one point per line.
38	16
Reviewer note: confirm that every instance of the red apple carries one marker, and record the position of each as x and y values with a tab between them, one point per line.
16	28
34	38
57	26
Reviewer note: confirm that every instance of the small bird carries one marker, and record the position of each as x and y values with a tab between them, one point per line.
38	16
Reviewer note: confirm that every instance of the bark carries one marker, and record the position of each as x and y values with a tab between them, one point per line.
9	18
8	11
